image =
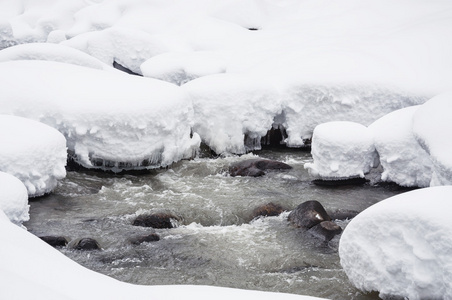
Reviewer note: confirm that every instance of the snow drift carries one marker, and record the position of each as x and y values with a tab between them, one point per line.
13	199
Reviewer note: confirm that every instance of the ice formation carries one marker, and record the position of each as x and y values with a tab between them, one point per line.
13	199
401	246
342	150
33	152
111	121
402	158
432	127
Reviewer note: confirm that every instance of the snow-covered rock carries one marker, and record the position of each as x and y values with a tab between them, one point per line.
33	152
401	246
13	198
229	107
181	67
111	120
52	52
341	150
432	127
402	158
32	269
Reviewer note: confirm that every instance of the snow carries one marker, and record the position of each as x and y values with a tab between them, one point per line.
432	128
342	150
13	199
401	246
402	158
111	121
33	152
46	273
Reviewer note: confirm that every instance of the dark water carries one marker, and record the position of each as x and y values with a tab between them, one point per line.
216	242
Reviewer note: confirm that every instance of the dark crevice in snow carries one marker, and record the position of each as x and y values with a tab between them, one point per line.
120	67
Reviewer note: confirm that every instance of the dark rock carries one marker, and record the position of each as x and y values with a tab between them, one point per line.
325	230
256	167
308	214
340	182
158	220
54	241
343	214
267	210
153	237
87	244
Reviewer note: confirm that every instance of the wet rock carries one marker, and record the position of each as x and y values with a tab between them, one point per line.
343	214
54	241
256	167
340	182
158	220
308	214
325	230
153	237
267	210
87	244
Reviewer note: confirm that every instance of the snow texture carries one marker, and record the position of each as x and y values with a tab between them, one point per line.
432	126
401	246
342	150
33	152
111	121
27	261
402	158
13	199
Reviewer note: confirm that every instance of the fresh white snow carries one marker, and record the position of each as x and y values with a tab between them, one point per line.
33	152
432	127
402	158
401	246
342	150
110	120
13	199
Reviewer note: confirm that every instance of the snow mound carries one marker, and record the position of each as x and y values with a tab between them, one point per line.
52	52
28	261
341	150
402	158
230	107
33	152
13	199
112	121
181	67
401	246
432	127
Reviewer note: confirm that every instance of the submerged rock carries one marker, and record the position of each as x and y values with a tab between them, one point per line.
343	214
267	210
256	167
308	214
55	241
153	237
158	220
325	230
87	244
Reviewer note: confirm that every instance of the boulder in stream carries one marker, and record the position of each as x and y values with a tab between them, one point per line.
137	240
267	210
256	167
325	230
308	214
157	220
87	244
55	241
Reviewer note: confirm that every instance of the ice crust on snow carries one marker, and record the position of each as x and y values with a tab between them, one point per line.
28	261
401	246
432	126
33	152
401	156
342	150
13	199
111	121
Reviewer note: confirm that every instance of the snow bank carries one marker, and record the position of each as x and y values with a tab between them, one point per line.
229	106
111	121
402	158
341	150
432	127
52	52
181	67
401	246
27	261
13	199
31	151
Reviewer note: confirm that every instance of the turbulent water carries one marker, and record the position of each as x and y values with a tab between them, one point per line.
216	241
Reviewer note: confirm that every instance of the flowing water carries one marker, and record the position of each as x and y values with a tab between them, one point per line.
216	241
